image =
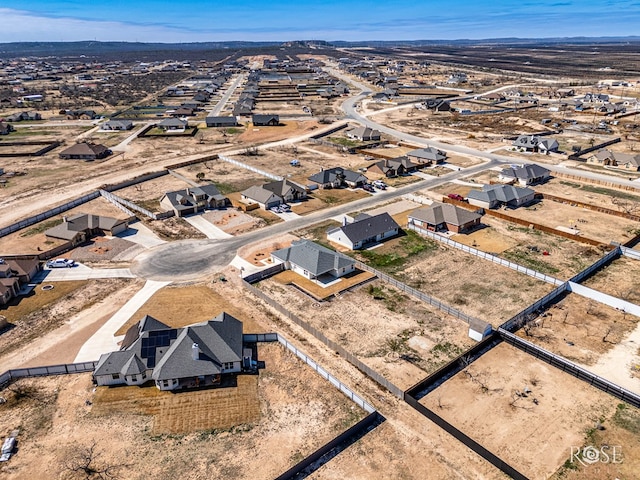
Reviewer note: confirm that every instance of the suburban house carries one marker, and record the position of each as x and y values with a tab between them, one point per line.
364	134
527	174
338	177
273	194
19	117
265	120
5	128
173	125
193	200
493	196
79	114
625	161
14	273
392	167
312	261
444	216
437	105
85	151
79	228
535	143
176	358
213	121
117	125
427	155
364	230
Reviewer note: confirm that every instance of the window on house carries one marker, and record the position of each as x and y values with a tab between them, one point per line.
134	378
165	383
115	376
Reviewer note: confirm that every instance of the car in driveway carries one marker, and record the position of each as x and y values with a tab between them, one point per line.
367	187
61	263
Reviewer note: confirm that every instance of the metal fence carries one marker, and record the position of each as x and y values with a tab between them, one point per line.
515	322
260	337
134	181
111	199
65	369
628	252
420	295
375	376
594	267
262	274
486	256
571	368
27	222
114	198
183	178
250	168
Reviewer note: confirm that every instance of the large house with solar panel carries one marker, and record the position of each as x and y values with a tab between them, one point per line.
193	356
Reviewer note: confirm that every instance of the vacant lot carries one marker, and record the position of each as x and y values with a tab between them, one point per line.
147	194
296	411
594	225
398	336
618	279
557	413
621	200
580	329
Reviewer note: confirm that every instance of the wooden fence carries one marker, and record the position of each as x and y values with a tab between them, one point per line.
588	206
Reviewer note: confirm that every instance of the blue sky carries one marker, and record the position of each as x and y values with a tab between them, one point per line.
280	20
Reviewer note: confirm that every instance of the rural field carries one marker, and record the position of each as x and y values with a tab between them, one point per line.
536	431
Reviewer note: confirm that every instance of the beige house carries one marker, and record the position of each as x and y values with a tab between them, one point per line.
623	161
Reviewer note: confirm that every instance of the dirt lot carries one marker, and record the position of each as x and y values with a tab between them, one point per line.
589	223
288	129
147	194
296	410
580	329
618	279
233	221
397	336
481	401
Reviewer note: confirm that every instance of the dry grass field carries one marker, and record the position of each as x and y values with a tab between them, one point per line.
580	329
398	336
178	306
618	279
535	437
294	413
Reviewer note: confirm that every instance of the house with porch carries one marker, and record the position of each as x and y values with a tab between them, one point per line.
193	199
14	273
494	196
79	228
338	177
214	121
393	167
443	217
623	161
85	151
535	143
176	358
119	125
313	261
364	134
273	194
261	120
364	230
427	156
524	175
173	125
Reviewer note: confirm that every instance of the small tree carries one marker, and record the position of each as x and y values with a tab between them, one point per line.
85	463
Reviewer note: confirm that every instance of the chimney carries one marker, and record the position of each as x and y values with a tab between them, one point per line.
344	221
195	352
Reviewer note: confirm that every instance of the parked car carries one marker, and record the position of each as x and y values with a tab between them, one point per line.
61	263
380	184
367	187
455	196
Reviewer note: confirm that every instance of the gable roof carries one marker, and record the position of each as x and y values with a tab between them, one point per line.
364	132
81	222
85	149
168	352
500	193
272	191
366	226
185	199
619	158
312	257
173	122
528	171
429	153
330	175
439	213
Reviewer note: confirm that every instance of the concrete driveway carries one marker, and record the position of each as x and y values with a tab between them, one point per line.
141	234
205	226
103	341
81	272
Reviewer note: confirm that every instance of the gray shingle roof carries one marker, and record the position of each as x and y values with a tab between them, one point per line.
525	172
439	213
500	193
367	227
312	257
429	153
81	222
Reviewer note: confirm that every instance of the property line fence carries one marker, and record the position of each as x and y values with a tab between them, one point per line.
27	222
486	256
375	376
420	295
598	265
193	161
262	274
110	198
578	155
328	451
628	252
465	439
260	337
326	133
594	181
183	178
64	369
571	368
134	181
519	319
417	199
114	198
588	206
609	300
250	168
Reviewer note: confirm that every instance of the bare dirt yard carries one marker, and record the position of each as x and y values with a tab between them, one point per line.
176	434
147	194
287	129
580	329
618	279
559	412
594	225
396	335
